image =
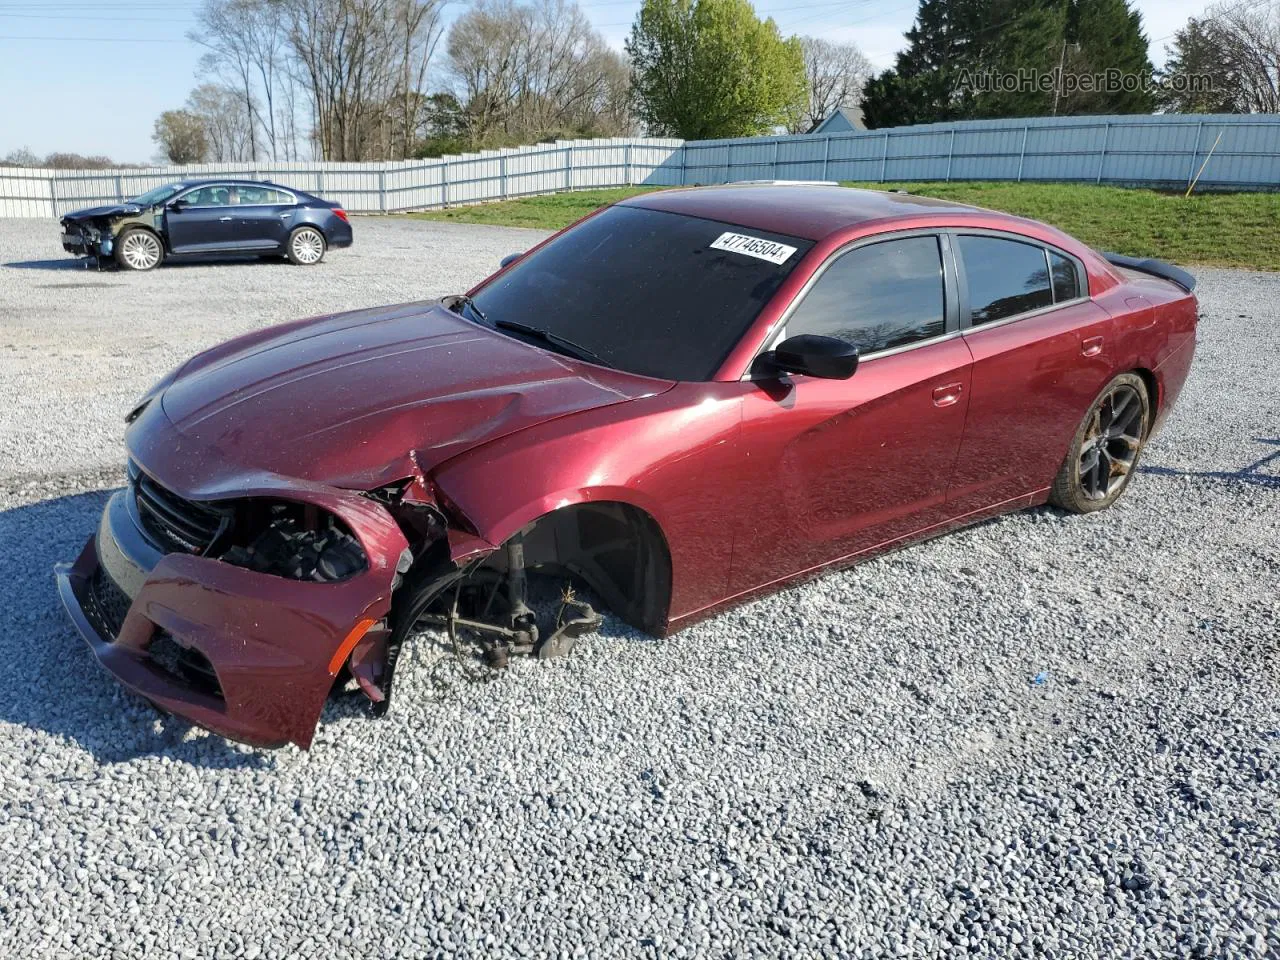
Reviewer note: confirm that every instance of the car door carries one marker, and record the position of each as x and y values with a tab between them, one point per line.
263	217
201	221
844	466
1041	354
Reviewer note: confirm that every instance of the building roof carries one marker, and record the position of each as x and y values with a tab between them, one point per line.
852	117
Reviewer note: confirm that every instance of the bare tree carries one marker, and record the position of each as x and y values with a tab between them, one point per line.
22	157
528	70
1249	36
248	51
836	74
228	126
362	64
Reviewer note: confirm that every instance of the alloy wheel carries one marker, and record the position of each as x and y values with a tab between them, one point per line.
1112	442
308	246
141	250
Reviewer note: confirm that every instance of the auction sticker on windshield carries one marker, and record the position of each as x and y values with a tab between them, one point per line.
753	247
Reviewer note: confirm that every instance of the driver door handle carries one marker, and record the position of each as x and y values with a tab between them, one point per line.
225	219
945	396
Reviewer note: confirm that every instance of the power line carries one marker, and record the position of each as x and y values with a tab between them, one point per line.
79	17
99	39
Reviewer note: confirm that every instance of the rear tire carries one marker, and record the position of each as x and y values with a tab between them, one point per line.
306	246
1106	447
139	249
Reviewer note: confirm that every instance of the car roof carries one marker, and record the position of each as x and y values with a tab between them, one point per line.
810	211
234	181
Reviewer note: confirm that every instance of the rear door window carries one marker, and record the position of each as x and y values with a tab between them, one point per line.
264	196
1005	277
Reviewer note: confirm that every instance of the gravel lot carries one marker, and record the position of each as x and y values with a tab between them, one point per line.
861	767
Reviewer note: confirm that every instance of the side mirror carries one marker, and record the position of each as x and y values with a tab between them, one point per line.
509	259
814	356
177	206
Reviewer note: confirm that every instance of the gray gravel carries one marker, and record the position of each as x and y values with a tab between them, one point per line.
860	767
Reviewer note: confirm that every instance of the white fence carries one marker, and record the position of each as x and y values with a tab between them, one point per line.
1242	152
385	187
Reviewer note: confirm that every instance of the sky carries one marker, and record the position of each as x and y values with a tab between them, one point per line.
91	77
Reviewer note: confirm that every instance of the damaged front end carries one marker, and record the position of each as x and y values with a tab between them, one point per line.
88	238
93	233
236	613
244	614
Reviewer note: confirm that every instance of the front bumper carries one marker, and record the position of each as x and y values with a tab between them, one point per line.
242	653
86	243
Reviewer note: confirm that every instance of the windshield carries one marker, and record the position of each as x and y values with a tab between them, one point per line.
645	291
158	195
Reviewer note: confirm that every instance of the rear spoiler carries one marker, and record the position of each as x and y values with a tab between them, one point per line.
1157	268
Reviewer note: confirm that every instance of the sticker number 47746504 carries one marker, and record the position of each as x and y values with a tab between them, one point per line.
753	247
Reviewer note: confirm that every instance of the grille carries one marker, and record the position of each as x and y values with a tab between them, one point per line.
178	525
107	605
188	665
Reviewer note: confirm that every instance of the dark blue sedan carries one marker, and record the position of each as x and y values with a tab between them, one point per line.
208	217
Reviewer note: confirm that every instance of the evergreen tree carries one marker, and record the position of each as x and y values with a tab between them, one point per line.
1101	36
956	48
1200	50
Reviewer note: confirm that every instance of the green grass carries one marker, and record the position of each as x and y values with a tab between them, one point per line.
1209	229
545	213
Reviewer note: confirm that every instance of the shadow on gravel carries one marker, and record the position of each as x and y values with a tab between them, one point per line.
65	263
1250	474
68	264
51	682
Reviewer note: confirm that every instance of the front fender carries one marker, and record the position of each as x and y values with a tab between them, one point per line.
674	456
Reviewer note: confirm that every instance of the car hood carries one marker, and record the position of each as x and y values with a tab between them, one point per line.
110	210
361	399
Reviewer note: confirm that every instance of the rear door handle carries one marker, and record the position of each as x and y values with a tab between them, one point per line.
1091	346
947	395
225	219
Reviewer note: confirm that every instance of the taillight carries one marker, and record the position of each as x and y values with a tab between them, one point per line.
341	214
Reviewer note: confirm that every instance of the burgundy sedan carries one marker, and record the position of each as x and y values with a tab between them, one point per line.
680	402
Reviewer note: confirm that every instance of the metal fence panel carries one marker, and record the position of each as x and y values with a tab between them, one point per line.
1158	151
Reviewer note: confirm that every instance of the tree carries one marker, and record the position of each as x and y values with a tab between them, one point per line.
1200	76
181	136
361	63
1002	58
1106	35
76	161
1226	62
525	71
1252	35
22	157
835	74
227	125
924	84
710	68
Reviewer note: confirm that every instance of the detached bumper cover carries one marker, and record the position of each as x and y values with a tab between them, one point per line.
254	649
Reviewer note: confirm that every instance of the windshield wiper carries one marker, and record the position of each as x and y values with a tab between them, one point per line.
546	336
462	300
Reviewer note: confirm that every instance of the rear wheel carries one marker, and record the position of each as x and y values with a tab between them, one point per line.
306	246
139	249
1104	452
